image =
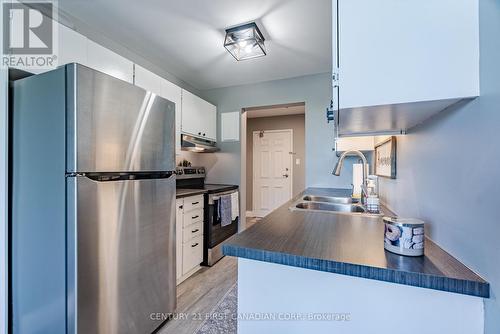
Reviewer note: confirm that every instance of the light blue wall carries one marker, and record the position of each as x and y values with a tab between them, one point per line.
449	172
3	198
4	280
315	91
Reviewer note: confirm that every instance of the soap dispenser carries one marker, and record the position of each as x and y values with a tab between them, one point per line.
372	199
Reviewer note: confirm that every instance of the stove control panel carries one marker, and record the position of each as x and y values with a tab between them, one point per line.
190	172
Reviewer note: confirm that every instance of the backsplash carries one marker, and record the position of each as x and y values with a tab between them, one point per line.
206	160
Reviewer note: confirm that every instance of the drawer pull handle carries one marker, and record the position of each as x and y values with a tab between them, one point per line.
181	206
194	231
194	203
196	244
195	217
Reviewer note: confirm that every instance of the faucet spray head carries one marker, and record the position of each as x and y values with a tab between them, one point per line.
338	167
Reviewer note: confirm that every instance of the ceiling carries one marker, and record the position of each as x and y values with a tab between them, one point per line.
185	37
278	110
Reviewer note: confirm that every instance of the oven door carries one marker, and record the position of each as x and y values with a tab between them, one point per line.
217	232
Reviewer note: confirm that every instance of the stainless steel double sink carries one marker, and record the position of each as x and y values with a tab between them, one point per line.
332	204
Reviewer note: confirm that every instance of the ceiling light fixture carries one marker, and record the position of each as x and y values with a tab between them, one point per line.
245	42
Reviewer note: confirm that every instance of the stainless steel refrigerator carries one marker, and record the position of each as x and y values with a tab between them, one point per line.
93	205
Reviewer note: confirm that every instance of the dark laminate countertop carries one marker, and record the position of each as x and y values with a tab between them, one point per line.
179	193
349	245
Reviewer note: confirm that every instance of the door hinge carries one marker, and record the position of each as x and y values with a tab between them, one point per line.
335	77
330	115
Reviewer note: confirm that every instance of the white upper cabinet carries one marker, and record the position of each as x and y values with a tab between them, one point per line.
72	47
147	80
211	121
174	93
106	61
199	117
400	62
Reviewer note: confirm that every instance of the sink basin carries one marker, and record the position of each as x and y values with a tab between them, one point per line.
335	207
327	199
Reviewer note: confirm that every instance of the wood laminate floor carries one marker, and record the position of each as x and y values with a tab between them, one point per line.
199	294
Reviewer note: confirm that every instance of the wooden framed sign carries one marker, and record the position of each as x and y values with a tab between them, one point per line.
385	158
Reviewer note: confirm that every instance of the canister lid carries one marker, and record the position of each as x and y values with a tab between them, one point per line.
409	222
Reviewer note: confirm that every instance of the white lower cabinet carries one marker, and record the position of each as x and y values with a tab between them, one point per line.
189	236
192	231
193	203
192	254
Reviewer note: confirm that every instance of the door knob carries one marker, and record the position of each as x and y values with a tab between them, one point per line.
285	175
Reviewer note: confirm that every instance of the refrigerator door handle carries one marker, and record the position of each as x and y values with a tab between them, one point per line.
126	176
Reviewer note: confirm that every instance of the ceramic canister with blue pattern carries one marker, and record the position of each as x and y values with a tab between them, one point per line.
404	236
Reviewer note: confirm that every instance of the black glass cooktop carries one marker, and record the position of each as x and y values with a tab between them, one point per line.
209	188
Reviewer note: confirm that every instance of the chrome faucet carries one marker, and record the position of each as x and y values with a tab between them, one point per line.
340	163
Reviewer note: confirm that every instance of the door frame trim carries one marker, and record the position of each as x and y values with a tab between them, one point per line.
290	132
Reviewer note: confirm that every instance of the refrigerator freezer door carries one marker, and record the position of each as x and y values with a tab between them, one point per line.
114	126
121	240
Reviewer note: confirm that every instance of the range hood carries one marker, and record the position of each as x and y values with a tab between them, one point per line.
195	144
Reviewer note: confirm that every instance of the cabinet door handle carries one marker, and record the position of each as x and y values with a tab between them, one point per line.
181	206
199	133
194	203
203	135
194	231
196	244
195	217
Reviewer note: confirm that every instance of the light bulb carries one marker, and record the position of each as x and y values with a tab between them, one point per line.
248	48
242	44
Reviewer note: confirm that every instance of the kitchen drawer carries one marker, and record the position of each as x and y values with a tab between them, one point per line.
193	203
192	217
192	231
192	254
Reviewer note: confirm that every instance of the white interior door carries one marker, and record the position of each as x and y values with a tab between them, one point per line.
272	170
